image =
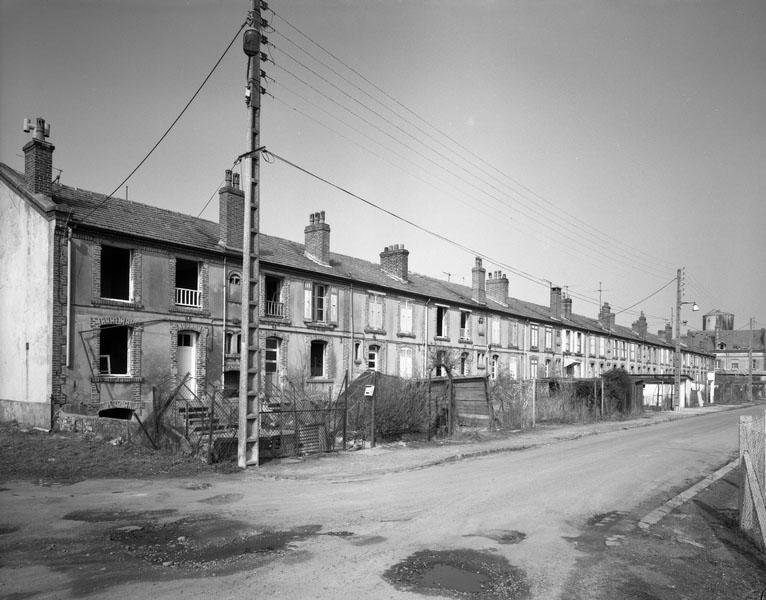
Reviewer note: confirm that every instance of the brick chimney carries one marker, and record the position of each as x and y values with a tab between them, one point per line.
606	316
556	302
38	158
639	326
318	238
478	282
497	287
231	211
394	261
567	304
667	333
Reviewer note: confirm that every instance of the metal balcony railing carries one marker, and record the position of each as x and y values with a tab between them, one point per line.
274	309
185	297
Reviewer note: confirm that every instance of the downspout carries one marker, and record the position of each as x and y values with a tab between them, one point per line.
351	356
223	325
425	343
68	296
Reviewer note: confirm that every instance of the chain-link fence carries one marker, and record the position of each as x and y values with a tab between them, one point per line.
752	452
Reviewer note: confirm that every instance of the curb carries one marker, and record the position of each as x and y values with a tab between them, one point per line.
657	514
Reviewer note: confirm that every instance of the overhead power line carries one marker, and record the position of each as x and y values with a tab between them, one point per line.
170	127
613	242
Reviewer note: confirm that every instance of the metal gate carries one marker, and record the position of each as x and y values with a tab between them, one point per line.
302	420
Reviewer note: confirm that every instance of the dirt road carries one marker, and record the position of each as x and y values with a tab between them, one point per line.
525	524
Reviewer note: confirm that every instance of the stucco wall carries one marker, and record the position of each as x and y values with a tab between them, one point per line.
26	238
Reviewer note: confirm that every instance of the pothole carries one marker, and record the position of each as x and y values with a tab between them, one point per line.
462	573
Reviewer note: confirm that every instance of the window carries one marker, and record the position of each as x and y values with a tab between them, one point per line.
233	343
441	321
357	352
578	342
548	338
464	363
405	363
734	365
494	364
115	273
514	334
373	357
320	303
481	360
494	331
187	283
272	294
114	344
601	346
465	325
547	367
317	358
533	367
405	317
567	337
375	312
632	351
441	356
271	356
533	334
235	288
592	345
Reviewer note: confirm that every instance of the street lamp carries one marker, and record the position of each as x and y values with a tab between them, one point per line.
695	308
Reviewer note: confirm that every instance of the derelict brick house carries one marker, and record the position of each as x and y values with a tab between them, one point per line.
103	299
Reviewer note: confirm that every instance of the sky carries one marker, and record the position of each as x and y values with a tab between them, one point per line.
596	145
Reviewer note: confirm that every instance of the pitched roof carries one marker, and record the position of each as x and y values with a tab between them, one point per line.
126	217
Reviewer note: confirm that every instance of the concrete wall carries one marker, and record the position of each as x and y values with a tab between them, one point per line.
26	247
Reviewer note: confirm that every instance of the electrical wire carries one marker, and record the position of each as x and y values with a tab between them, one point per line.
170	127
597	253
612	240
647	298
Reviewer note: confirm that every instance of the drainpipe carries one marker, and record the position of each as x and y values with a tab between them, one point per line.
351	356
425	344
223	325
68	295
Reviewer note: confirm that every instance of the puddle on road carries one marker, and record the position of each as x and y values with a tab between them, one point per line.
5	529
459	574
502	536
101	516
222	499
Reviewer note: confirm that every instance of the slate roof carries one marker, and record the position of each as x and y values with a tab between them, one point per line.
126	217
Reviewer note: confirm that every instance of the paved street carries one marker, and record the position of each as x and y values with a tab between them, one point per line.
309	531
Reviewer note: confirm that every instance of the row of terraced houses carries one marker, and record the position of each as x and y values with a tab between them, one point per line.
111	298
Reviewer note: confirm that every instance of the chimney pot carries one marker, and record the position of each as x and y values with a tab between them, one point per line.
227	177
235	180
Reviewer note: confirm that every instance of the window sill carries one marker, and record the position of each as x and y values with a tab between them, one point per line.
441	338
374	331
465	340
131	304
190	310
320	324
115	379
275	318
403	334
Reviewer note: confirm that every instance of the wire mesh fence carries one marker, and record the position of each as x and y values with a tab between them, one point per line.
752	451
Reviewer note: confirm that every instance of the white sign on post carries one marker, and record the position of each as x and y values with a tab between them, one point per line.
369	390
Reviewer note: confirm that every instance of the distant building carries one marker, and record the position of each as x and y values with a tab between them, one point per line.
105	299
717	320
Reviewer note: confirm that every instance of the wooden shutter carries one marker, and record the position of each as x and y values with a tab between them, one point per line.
333	305
307	300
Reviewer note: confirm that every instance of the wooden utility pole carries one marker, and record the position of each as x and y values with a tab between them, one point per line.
677	354
249	365
750	365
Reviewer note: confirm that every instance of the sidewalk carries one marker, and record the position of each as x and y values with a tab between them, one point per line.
391	458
